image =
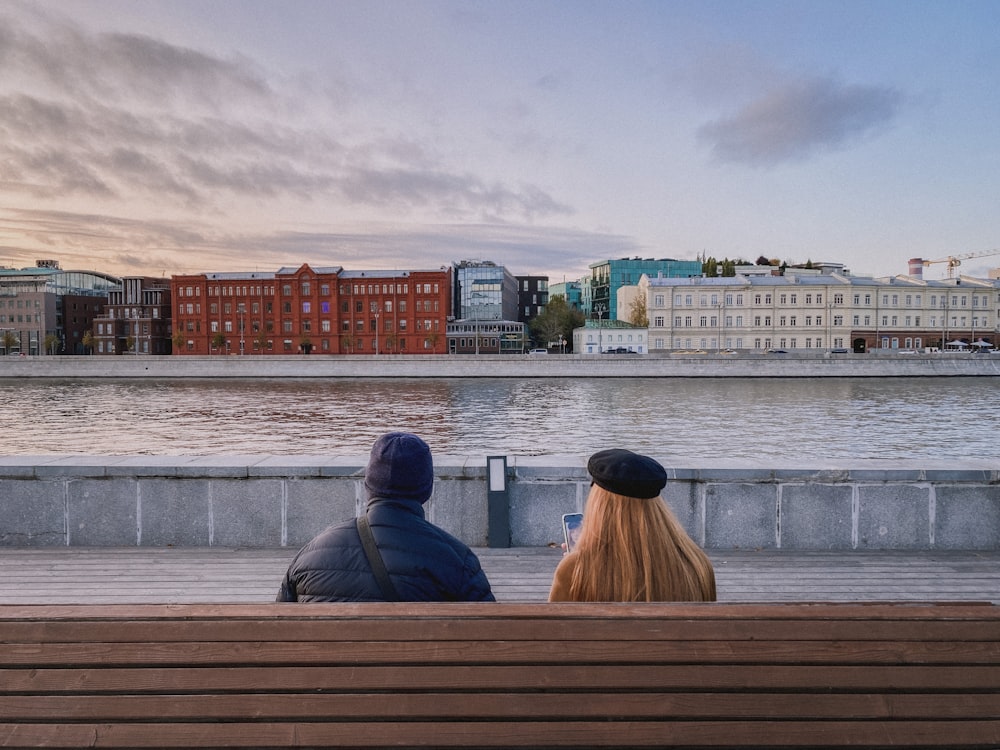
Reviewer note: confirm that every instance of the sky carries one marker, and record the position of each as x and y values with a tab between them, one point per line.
159	137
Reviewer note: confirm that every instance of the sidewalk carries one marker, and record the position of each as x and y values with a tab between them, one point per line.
76	575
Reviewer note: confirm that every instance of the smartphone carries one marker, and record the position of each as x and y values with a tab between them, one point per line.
572	523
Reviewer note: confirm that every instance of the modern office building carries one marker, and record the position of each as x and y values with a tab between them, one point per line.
136	318
486	315
607	276
820	310
484	291
571	291
46	310
304	310
532	297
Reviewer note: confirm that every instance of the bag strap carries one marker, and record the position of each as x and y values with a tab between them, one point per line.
389	592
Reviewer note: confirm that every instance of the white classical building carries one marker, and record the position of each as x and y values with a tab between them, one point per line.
609	337
820	309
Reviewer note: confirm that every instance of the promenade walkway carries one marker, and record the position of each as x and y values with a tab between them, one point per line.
75	575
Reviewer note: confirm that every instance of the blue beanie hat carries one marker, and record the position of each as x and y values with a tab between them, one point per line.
400	468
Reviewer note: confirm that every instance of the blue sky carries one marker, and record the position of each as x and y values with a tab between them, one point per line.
149	137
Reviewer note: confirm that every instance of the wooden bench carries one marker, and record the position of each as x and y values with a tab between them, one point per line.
500	675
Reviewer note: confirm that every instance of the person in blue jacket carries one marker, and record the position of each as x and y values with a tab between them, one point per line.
424	563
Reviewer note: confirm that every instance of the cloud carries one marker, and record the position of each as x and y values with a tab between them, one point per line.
133	246
130	120
799	120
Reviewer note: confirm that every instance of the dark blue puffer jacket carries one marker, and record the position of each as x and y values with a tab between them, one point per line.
425	563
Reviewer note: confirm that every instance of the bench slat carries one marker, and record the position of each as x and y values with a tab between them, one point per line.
498	706
561	677
337	629
507	610
729	734
156	652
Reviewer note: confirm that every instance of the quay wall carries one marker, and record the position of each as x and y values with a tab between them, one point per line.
798	364
282	501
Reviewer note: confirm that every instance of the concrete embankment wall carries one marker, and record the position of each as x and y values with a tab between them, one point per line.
799	364
274	501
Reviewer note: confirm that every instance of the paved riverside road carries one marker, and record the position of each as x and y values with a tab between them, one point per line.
144	575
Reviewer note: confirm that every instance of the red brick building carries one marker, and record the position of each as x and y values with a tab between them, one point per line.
312	310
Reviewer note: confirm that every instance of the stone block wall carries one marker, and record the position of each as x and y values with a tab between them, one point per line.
282	501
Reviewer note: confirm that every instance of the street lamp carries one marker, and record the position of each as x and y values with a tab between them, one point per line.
376	333
600	308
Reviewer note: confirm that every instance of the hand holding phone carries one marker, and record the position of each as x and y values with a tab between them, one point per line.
572	524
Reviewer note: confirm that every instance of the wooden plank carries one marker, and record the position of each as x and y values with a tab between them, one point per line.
729	623
539	653
310	706
599	678
952	734
447	611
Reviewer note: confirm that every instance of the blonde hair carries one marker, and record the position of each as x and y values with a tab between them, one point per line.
635	550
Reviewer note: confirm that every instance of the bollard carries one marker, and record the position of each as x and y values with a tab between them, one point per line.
498	502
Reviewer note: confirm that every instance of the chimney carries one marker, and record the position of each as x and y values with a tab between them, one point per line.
917	268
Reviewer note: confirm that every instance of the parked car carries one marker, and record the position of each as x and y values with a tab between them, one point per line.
840	351
538	351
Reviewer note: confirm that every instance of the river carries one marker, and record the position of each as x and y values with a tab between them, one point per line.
775	420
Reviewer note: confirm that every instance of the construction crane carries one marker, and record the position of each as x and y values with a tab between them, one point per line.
953	261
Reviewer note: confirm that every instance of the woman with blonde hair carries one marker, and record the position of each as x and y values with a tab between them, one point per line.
631	548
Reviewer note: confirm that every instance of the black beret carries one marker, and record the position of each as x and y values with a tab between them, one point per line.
626	473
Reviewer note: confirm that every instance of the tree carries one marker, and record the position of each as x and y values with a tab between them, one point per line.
432	338
260	341
52	343
305	345
88	342
556	322
10	340
218	340
637	312
177	340
711	266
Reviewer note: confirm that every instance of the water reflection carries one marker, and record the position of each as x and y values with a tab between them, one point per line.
752	419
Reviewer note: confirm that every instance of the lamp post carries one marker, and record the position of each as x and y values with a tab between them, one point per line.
376	333
600	308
